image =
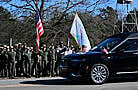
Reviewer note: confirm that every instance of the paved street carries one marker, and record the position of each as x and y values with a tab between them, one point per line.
129	82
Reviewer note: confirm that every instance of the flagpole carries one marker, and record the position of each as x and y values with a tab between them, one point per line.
37	35
36	3
39	26
68	42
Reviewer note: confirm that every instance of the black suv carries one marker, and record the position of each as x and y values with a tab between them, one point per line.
115	54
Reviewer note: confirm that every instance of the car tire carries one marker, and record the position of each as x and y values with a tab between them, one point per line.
99	73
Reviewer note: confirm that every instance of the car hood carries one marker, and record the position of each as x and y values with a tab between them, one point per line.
81	55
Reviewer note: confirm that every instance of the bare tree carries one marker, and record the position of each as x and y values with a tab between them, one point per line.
47	8
54	13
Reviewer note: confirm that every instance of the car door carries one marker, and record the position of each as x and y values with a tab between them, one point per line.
125	57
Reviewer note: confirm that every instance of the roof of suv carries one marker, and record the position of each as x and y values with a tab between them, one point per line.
125	35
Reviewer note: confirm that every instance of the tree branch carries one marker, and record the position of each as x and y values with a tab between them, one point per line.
67	8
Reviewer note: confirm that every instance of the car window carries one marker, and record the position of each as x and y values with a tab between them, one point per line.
129	45
107	44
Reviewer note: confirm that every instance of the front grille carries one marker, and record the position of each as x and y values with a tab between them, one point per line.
65	62
70	63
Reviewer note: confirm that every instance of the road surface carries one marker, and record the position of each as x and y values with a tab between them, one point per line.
125	82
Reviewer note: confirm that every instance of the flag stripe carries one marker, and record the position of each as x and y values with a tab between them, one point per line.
41	33
40	29
37	42
38	24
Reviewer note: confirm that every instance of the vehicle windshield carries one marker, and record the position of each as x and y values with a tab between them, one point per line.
107	44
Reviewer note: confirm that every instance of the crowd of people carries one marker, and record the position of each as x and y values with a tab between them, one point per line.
23	61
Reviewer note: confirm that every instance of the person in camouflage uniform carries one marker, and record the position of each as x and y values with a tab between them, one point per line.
11	57
4	61
1	48
52	60
1	61
28	58
34	57
23	59
36	67
60	53
19	62
44	61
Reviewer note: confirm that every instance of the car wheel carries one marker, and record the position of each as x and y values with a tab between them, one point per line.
99	73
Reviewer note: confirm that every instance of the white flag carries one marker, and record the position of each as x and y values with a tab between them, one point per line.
79	34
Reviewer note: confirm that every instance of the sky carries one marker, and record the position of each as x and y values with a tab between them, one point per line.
112	3
136	3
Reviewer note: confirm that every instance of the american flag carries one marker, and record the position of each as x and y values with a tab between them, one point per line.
39	30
